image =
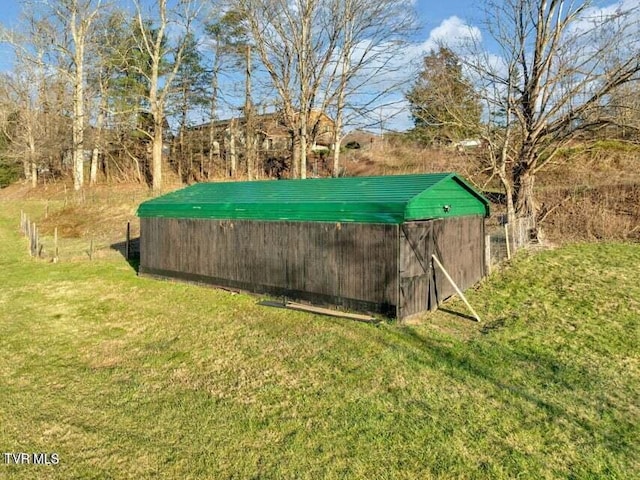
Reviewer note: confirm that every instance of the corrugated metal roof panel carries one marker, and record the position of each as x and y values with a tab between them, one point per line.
384	199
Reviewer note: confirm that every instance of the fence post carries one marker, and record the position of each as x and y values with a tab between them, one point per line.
127	246
27	233
34	239
487	254
55	245
506	237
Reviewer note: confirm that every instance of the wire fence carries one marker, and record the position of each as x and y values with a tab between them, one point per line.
503	241
53	248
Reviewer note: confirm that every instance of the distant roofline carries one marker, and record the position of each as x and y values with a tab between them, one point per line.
242	118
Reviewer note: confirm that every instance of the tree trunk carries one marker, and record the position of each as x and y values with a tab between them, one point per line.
303	73
26	166
93	174
78	117
508	191
249	134
232	150
337	127
32	165
180	156
213	113
34	174
156	156
303	147
526	205
95	156
337	141
295	155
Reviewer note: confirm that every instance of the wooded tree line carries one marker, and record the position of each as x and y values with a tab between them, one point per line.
110	86
563	72
100	89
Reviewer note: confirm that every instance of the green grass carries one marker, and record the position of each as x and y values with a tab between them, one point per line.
127	377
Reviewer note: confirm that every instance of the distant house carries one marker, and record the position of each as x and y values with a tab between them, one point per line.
470	144
273	137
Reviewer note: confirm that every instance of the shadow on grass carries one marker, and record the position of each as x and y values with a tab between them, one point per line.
498	368
133	259
458	314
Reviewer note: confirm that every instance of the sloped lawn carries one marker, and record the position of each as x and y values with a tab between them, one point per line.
127	377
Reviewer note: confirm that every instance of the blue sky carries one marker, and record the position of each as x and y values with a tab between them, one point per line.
440	21
432	12
432	15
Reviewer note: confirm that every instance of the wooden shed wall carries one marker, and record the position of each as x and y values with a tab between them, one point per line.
349	264
457	242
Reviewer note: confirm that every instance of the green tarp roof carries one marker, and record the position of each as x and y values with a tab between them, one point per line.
386	199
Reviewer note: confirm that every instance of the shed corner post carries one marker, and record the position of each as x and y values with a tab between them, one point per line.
398	274
487	255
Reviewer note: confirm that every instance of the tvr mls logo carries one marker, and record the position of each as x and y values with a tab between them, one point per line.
23	458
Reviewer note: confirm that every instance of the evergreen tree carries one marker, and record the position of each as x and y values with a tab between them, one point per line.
444	106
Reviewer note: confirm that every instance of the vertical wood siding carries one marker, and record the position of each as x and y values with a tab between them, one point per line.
350	265
457	242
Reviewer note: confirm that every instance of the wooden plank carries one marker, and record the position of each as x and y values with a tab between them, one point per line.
328	312
458	291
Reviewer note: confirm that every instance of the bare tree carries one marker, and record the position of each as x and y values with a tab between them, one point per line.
79	16
559	62
623	109
227	40
296	42
34	100
110	41
71	22
155	42
64	26
321	53
369	58
21	120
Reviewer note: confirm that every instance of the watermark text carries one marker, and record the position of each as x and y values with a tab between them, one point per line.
23	458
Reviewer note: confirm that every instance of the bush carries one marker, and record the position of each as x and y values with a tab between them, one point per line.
9	172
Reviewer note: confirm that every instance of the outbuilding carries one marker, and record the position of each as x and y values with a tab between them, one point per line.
362	243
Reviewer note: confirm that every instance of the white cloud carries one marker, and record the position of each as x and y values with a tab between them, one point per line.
452	32
599	14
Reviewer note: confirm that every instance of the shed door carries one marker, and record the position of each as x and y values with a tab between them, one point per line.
459	245
417	288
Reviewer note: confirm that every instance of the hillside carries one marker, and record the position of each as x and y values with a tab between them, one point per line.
126	377
592	192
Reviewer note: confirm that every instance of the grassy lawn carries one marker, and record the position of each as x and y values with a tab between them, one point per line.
127	377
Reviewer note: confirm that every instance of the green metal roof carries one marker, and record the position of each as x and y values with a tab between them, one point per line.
387	199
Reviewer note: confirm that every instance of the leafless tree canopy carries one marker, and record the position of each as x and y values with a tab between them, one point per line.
558	66
97	84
